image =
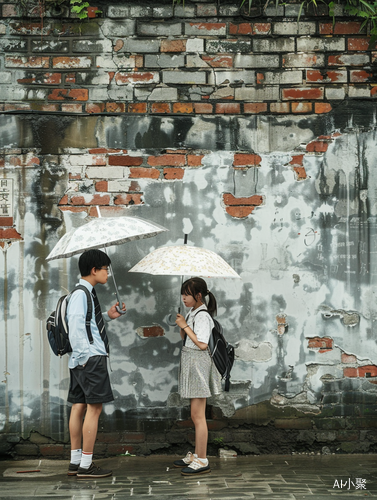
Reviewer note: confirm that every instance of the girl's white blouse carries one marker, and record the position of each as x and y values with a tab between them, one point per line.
202	327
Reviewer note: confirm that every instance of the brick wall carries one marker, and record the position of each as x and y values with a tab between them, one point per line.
201	59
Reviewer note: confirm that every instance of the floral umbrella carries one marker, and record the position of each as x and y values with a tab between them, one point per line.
103	232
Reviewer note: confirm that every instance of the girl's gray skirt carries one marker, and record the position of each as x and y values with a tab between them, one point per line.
198	376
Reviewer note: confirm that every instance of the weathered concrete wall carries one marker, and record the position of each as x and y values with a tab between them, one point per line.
283	188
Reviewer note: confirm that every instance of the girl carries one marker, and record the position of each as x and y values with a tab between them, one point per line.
199	378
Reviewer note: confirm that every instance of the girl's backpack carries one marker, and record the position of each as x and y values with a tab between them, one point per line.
221	351
57	327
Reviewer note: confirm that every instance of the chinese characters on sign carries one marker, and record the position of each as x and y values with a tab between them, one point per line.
359	484
6	202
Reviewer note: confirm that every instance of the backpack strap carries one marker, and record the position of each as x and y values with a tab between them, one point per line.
201	310
89	312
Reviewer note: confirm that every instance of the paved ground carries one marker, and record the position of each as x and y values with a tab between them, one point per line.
267	477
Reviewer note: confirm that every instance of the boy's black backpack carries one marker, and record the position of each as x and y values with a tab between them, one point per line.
57	328
221	351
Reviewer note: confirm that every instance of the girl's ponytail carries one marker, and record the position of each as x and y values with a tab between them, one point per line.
212	304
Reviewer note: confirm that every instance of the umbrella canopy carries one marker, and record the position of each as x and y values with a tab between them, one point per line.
103	232
184	260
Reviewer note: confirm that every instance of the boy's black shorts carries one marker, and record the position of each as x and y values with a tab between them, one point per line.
91	383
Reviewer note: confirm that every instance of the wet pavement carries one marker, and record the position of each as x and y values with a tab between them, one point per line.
267	477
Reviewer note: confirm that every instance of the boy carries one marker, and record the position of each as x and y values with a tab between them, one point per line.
89	378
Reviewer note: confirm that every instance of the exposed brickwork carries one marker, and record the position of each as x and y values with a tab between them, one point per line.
121	64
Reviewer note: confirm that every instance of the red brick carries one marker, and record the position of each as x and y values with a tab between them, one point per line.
361	371
118	45
194	160
326	28
173	173
373	90
173	160
301	107
66	62
239	212
45	79
95	107
222	61
128	199
27	62
136	77
261	28
92	11
255	107
98	151
125	161
225	108
137	107
69	95
349	358
303	93
300	173
321	343
64	200
334	75
317	147
115	107
160	107
322	107
231	200
280	107
347	28
173	46
102	186
119	449
297	160
46	107
360	76
6	221
360	44
241	29
70	78
72	108
9	234
144	173
33	161
13	107
208	26
96	199
314	75
75	209
246	159
152	331
182	107
203	108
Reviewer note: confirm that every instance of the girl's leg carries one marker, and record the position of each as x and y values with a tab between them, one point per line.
198	416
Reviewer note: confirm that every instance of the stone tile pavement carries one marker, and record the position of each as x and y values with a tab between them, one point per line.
267	477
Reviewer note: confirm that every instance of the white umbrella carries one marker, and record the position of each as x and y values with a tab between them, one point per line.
103	232
184	260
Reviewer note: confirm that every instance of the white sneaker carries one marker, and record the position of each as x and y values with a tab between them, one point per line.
196	467
184	462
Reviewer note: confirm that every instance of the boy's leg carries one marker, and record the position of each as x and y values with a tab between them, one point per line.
90	427
75	424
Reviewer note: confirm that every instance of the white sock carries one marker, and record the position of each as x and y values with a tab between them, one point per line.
86	460
204	460
76	456
195	455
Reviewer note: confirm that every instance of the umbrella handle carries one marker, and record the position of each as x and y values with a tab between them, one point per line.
118	308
